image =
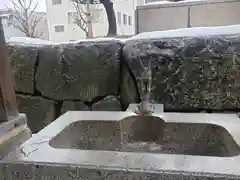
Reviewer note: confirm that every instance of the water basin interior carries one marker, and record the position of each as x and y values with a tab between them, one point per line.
150	134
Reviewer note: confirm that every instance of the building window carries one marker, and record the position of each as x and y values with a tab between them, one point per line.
4	20
59	28
55	2
129	20
72	16
119	17
124	19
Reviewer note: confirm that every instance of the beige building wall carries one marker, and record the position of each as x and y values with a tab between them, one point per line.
165	16
224	13
162	18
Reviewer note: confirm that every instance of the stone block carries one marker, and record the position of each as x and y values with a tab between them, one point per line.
191	72
128	87
13	143
51	171
110	103
81	71
23	60
12	134
73	106
80	138
39	111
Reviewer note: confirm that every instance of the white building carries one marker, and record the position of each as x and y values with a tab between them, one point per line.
140	2
11	31
61	22
144	2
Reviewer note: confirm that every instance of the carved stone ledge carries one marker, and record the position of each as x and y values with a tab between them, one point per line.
12	134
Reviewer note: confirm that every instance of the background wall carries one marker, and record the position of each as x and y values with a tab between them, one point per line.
186	14
191	74
49	80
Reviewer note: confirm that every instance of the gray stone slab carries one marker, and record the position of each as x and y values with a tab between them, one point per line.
58	163
23	61
73	106
17	171
40	112
12	134
128	91
158	108
81	71
190	72
109	103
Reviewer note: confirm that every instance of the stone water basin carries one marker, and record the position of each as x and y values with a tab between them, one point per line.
197	144
148	134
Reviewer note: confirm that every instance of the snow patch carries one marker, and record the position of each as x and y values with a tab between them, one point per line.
186	32
170	2
28	41
182	32
184	2
95	40
39	42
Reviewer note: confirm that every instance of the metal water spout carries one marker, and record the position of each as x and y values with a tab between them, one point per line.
146	107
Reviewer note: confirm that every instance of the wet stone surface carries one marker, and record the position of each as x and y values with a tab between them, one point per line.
109	103
80	71
40	112
148	135
23	60
73	106
128	87
191	72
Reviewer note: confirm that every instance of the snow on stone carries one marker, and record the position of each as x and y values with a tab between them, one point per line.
182	32
39	42
185	2
28	41
194	31
170	2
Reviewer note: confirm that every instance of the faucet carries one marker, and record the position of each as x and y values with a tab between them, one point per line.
146	107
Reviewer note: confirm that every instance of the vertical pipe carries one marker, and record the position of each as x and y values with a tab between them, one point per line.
189	20
7	94
89	20
136	22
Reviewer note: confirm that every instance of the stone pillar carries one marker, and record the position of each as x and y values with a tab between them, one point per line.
8	105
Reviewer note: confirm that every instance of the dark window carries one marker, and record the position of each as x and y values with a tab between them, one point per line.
59	28
129	20
55	2
124	19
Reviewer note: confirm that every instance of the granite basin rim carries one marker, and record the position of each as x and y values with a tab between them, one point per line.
38	145
147	134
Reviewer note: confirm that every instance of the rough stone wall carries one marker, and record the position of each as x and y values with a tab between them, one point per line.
189	74
50	80
198	73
